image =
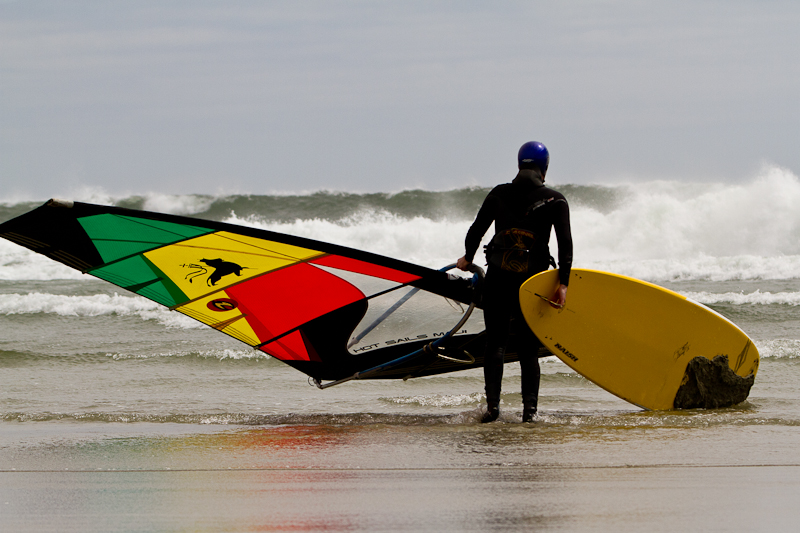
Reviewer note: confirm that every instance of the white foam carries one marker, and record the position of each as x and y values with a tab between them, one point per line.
419	240
220	355
753	298
779	348
177	204
18	263
86	193
703	267
439	400
94	305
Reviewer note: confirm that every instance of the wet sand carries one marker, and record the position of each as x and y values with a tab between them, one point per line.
398	477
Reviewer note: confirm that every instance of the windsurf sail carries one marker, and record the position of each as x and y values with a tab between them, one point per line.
329	311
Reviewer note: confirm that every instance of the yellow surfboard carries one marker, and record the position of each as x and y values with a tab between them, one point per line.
648	345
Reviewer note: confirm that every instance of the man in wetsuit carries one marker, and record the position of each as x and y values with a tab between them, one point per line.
523	212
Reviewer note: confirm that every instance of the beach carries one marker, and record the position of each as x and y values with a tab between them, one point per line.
589	472
119	415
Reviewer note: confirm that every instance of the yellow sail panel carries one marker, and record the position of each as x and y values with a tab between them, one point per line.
206	264
221	313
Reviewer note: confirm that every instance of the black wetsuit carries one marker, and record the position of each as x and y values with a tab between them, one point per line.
526	204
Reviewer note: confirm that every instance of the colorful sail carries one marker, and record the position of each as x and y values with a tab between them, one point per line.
327	310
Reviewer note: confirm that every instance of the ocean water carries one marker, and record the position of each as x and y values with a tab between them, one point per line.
95	379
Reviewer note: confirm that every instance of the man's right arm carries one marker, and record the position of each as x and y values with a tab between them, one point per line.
463	264
483	220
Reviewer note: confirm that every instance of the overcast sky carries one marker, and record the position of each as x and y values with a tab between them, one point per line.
253	97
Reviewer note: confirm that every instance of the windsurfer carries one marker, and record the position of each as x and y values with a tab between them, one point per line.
523	212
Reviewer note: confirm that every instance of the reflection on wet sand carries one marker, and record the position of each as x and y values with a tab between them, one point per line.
407	477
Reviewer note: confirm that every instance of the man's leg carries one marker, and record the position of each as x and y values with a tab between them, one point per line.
497	316
493	379
531	372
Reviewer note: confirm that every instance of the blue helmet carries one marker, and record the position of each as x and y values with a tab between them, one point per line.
534	155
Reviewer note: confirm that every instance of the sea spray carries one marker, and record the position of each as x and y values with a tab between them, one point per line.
673	220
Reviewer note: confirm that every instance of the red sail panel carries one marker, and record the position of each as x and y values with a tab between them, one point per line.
362	267
292	347
288	298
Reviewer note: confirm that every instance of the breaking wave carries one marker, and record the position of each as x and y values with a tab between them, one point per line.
657	231
92	306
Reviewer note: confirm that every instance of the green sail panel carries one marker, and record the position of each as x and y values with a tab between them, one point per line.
138	275
158	293
113	250
118	236
177	295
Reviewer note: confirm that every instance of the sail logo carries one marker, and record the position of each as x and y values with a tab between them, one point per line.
222	304
220	268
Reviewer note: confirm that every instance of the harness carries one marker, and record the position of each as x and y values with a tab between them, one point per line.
513	249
